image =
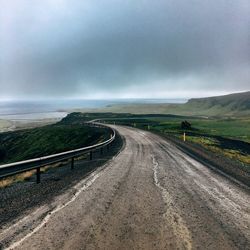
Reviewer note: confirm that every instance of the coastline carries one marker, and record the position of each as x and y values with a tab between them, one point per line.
12	122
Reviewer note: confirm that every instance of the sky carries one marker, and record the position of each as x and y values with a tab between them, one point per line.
106	49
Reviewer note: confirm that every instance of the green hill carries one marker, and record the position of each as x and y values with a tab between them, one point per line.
233	104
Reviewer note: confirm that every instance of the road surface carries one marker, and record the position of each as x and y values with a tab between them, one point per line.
150	196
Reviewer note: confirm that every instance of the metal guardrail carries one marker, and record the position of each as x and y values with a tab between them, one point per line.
23	166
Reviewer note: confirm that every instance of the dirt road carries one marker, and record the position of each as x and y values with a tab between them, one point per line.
150	196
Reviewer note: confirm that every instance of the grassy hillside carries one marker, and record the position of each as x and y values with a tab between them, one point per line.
234	104
37	142
235	101
228	105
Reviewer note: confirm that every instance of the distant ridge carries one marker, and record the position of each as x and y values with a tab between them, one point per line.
232	105
235	101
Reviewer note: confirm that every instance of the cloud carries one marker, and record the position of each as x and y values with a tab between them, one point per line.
94	48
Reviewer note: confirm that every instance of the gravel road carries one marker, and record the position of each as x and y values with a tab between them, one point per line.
150	196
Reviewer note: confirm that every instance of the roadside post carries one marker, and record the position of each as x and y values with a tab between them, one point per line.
184	136
38	175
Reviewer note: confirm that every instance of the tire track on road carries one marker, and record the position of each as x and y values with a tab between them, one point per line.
182	233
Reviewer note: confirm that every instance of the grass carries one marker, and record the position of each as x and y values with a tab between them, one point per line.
42	141
16	178
230	128
214	146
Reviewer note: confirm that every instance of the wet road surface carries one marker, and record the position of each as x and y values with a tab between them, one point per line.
150	196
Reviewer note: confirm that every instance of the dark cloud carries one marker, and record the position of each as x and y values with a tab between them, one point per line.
105	48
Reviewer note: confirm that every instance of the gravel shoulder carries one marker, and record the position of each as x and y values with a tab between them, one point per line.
237	172
150	196
23	198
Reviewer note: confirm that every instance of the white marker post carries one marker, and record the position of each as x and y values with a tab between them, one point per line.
184	136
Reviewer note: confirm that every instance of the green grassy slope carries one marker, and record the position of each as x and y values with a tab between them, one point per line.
37	142
234	104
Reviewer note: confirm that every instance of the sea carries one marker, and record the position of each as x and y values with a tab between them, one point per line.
49	109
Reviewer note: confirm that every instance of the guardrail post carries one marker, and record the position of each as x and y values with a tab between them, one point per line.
38	175
101	150
72	163
90	155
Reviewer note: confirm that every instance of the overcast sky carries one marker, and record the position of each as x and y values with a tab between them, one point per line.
123	48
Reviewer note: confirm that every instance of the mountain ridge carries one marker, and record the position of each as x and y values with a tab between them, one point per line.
228	104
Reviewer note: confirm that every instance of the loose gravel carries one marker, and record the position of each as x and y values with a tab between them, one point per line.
19	198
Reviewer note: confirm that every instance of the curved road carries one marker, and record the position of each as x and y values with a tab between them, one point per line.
150	196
